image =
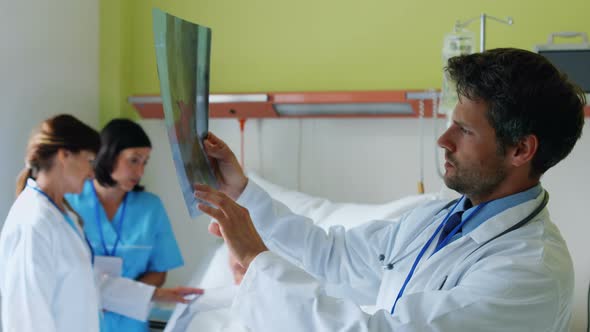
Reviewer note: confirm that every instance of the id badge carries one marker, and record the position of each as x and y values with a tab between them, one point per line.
109	265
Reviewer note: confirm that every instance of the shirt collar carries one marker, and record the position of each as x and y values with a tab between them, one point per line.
494	207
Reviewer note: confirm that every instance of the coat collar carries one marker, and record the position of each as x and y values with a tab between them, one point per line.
506	219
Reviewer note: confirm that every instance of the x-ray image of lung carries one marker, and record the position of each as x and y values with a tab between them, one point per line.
182	55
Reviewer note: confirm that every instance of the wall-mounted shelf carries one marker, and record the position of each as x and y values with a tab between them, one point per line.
353	104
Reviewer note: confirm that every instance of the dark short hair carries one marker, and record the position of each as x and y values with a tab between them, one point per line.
117	135
525	95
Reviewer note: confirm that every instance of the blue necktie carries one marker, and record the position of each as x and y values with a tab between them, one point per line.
452	222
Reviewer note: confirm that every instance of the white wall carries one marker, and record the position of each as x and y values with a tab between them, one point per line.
568	184
48	65
358	160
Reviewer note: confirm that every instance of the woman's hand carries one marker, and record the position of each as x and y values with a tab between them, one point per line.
176	294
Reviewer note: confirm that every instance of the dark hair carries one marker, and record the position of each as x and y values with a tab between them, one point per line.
526	95
59	132
117	135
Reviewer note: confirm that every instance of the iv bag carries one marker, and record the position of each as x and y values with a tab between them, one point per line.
458	42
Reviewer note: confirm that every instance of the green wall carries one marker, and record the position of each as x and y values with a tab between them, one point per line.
311	45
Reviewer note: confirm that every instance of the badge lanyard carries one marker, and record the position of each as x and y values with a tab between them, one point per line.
444	242
118	226
68	220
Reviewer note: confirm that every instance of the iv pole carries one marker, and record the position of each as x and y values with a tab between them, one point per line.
482	26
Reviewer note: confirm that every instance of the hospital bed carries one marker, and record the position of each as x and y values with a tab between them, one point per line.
217	277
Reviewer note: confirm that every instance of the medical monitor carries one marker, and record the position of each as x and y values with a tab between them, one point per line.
571	59
574	63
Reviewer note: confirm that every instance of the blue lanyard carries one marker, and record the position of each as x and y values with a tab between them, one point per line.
67	218
98	225
444	242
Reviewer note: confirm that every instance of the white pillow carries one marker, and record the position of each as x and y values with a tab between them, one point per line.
325	213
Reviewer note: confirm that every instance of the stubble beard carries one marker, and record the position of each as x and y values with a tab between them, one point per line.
475	182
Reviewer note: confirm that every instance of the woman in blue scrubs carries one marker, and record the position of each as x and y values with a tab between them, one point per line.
122	221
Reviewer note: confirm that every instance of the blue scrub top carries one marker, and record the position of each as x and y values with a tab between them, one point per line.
146	243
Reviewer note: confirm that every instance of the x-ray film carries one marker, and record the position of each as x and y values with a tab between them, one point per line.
182	54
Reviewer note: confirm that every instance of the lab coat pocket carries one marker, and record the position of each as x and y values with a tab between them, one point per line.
443	282
136	259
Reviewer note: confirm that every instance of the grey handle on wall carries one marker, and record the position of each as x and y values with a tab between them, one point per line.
567	34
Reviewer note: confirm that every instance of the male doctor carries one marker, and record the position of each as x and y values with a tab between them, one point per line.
490	261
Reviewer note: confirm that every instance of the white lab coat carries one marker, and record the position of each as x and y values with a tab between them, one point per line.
47	282
522	281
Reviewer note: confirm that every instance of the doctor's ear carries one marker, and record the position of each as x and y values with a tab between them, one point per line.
524	150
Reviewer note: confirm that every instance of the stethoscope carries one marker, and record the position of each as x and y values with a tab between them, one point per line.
68	220
521	223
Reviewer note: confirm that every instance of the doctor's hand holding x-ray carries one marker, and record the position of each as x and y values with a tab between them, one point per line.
492	260
234	223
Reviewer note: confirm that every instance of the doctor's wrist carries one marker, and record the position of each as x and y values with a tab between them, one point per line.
236	189
247	259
